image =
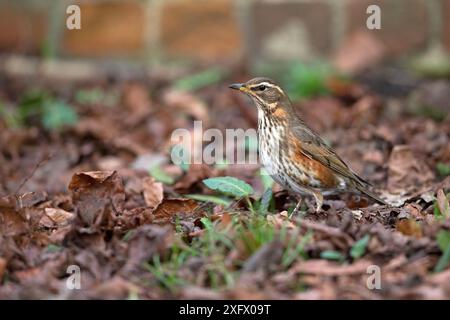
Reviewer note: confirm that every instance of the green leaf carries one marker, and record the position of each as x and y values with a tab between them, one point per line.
265	200
208	198
443	169
332	255
51	248
229	185
266	179
159	175
56	114
443	240
199	80
359	247
207	224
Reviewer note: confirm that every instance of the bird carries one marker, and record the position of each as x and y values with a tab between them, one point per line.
292	153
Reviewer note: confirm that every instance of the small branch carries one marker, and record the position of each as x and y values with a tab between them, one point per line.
36	167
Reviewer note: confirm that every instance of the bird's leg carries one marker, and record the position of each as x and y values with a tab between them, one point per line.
297	207
319	200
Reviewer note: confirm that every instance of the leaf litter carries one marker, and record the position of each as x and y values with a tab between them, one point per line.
108	200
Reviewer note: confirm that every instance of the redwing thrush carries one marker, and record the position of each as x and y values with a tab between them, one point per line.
293	154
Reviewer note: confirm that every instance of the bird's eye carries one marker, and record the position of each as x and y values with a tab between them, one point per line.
261	87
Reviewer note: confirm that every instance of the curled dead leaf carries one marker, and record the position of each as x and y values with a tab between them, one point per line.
153	192
98	197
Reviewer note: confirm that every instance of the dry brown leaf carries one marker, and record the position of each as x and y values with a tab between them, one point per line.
328	268
281	220
195	174
2	267
169	208
56	217
98	197
114	288
11	221
407	171
409	227
146	241
415	210
443	203
153	192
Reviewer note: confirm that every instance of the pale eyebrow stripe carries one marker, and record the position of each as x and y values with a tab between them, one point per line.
268	84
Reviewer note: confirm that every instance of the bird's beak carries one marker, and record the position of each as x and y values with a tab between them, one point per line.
237	86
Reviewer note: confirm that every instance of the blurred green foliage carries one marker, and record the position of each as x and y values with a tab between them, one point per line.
431	112
435	63
160	175
305	81
300	79
52	113
95	96
443	169
443	240
199	80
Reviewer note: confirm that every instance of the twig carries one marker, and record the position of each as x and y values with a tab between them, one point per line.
36	167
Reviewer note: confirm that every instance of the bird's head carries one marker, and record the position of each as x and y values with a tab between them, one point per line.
267	95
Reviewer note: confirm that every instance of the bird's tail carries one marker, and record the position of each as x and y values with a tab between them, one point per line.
372	195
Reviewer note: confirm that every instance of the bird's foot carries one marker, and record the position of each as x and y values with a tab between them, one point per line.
297	208
319	201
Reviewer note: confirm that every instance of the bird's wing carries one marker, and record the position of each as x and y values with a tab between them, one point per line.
315	148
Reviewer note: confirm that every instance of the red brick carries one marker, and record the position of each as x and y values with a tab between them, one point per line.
108	28
201	29
22	30
404	23
290	29
446	23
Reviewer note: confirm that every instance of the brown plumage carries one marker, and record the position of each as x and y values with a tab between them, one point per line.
292	153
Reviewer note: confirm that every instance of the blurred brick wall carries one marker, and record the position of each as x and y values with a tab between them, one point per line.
218	30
